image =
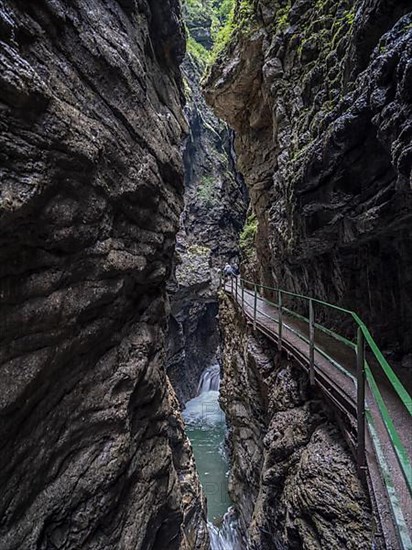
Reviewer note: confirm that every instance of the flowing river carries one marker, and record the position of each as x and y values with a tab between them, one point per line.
206	429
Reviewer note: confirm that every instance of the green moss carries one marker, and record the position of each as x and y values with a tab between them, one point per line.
350	16
205	191
186	84
198	250
248	235
238	17
283	20
282	17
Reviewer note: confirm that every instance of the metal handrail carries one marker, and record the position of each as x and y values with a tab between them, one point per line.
364	373
393	378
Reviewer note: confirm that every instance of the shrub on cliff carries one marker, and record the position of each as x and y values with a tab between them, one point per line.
205	191
247	237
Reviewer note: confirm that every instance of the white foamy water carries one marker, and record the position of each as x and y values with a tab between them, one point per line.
210	380
227	536
206	428
204	410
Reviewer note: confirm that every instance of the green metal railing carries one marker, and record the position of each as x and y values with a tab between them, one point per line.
364	374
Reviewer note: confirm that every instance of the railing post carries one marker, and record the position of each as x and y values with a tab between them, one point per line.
360	379
231	285
255	309
235	286
280	321
311	344
243	293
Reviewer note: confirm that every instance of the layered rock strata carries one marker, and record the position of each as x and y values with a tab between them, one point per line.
293	480
215	194
192	336
93	451
319	94
214	213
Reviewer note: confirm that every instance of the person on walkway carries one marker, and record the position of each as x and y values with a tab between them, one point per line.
235	270
230	271
227	271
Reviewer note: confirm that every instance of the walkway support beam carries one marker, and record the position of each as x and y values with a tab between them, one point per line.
280	321
311	344
255	308
360	402
242	286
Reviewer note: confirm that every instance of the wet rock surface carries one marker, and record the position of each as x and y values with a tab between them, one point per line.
319	94
215	194
213	216
293	480
93	453
193	338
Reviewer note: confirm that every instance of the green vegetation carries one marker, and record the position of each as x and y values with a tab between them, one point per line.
233	17
283	20
205	191
282	17
223	17
186	84
248	235
196	10
350	16
197	50
223	11
198	250
222	37
207	14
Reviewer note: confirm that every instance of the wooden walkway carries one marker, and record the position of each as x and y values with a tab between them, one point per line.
335	375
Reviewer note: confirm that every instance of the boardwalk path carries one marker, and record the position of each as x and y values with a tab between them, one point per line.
335	374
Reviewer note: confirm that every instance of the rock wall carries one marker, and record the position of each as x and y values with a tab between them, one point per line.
213	216
192	336
320	96
215	195
293	480
93	451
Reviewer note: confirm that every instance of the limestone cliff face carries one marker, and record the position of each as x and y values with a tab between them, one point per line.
192	336
215	195
320	94
93	452
215	203
292	480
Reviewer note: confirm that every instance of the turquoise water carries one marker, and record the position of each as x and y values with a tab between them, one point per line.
206	429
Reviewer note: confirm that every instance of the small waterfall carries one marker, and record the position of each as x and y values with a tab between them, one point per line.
206	428
226	537
210	380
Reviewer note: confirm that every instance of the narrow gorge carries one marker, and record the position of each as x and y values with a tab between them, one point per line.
205	274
